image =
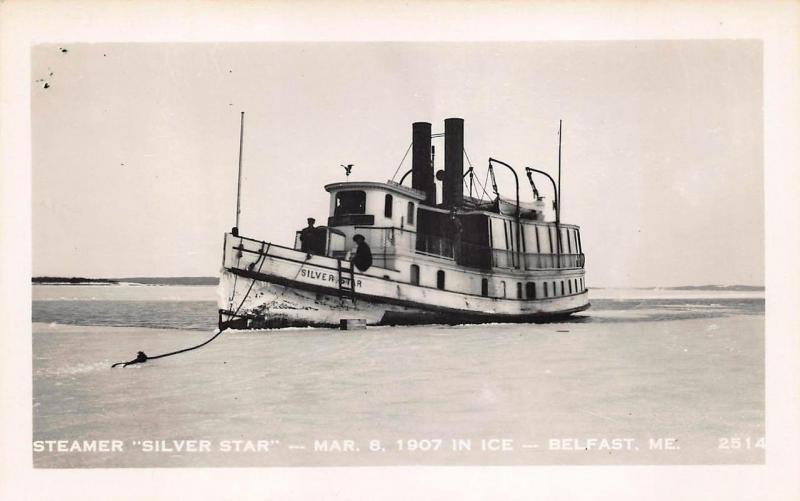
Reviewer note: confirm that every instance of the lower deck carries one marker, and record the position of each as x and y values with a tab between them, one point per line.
262	281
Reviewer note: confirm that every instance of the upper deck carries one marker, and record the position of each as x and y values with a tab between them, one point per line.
395	222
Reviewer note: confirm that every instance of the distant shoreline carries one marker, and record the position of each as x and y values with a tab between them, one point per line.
721	288
125	281
73	281
215	281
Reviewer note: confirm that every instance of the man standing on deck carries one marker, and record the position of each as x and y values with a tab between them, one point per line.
307	236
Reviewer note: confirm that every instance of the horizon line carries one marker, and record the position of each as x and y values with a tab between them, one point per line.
167	277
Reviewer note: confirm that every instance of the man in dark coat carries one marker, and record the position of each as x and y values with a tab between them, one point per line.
363	255
307	236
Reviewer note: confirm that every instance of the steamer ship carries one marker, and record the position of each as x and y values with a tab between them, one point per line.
458	259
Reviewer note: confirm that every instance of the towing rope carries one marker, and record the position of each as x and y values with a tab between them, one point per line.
141	357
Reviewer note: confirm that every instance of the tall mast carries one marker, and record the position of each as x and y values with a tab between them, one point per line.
558	199
239	181
558	207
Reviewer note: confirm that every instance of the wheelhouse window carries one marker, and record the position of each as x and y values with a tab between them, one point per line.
411	211
440	279
414	274
350	202
387	206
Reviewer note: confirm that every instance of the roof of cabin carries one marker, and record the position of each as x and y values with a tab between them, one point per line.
367	185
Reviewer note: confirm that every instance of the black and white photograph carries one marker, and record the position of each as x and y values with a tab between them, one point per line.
291	252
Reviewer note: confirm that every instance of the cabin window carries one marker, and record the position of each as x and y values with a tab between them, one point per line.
387	206
350	202
414	274
562	287
530	290
519	290
545	289
569	282
440	279
582	284
555	291
410	216
503	285
485	287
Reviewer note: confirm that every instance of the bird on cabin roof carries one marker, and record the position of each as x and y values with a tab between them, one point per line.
347	169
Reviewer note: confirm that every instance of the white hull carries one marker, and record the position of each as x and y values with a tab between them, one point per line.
265	285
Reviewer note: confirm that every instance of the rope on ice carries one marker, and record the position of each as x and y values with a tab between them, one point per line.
141	357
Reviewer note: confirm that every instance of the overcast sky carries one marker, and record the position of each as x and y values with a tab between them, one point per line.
135	145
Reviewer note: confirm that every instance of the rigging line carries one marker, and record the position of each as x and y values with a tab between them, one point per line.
401	161
233	292
141	357
264	248
469	162
482	191
236	277
483	185
467	157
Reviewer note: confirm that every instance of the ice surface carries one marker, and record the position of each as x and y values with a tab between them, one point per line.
699	379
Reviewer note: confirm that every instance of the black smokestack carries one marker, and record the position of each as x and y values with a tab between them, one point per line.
421	168
453	187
